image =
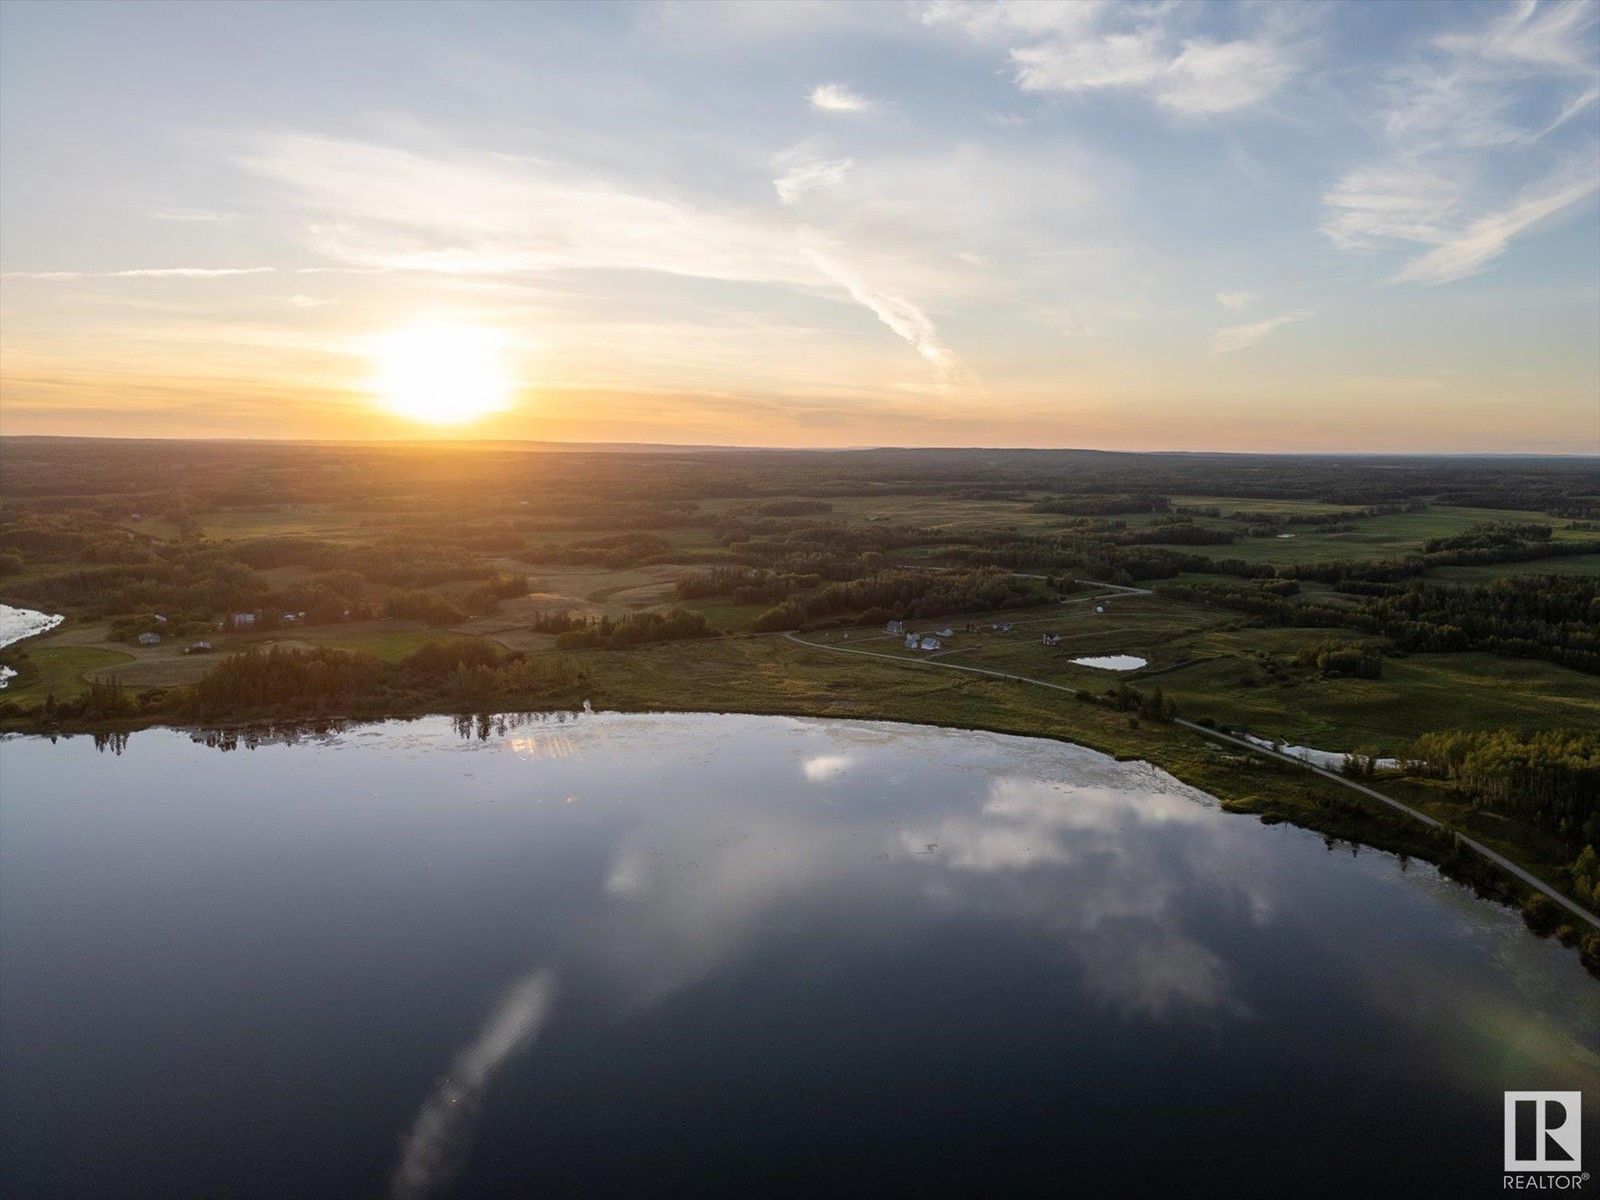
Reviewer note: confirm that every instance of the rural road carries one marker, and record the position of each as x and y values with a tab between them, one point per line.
1498	859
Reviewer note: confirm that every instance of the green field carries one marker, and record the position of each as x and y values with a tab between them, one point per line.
62	671
1575	564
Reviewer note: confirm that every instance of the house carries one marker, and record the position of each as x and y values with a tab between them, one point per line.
239	620
931	643
947	633
913	642
1051	639
149	639
198	648
895	627
1099	608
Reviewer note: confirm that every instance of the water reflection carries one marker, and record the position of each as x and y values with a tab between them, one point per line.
432	1151
859	907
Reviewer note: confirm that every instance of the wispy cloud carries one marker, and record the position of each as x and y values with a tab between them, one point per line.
1235	299
142	273
1089	46
899	314
431	1151
837	98
1485	239
803	180
1237	337
1465	168
377	207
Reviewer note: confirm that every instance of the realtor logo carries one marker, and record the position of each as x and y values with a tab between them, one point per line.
1543	1131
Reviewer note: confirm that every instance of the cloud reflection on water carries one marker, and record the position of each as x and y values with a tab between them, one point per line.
433	1150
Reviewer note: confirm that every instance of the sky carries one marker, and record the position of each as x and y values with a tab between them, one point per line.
1141	226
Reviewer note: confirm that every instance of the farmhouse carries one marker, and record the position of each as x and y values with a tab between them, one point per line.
1051	639
931	643
895	627
912	641
149	639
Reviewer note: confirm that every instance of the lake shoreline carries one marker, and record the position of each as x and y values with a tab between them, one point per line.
1250	783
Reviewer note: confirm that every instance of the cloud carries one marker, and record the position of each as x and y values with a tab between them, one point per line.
806	179
1237	337
376	207
899	314
1486	238
430	1153
192	215
1550	37
837	98
142	273
303	301
1092	46
1235	299
1464	166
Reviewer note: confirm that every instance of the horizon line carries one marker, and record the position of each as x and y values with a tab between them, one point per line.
559	446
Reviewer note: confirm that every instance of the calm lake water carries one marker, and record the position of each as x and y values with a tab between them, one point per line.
733	956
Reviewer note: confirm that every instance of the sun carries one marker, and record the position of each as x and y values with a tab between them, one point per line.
442	374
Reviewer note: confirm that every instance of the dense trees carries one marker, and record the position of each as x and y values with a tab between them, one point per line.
1549	779
907	594
604	632
452	674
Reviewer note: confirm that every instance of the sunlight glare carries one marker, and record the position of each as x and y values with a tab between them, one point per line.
442	374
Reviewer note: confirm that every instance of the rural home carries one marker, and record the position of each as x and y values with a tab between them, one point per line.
149	639
1051	639
895	627
931	643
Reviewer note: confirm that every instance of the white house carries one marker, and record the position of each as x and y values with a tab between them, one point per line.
895	627
931	643
1051	639
912	641
947	633
240	619
1099	608
198	648
149	639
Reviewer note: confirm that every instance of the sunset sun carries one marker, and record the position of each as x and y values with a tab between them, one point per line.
441	374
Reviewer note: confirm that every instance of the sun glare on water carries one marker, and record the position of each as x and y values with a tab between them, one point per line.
442	374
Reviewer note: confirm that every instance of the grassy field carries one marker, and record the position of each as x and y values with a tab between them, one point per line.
1215	668
63	671
1576	564
1372	537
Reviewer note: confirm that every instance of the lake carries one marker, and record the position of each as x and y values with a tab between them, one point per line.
732	956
